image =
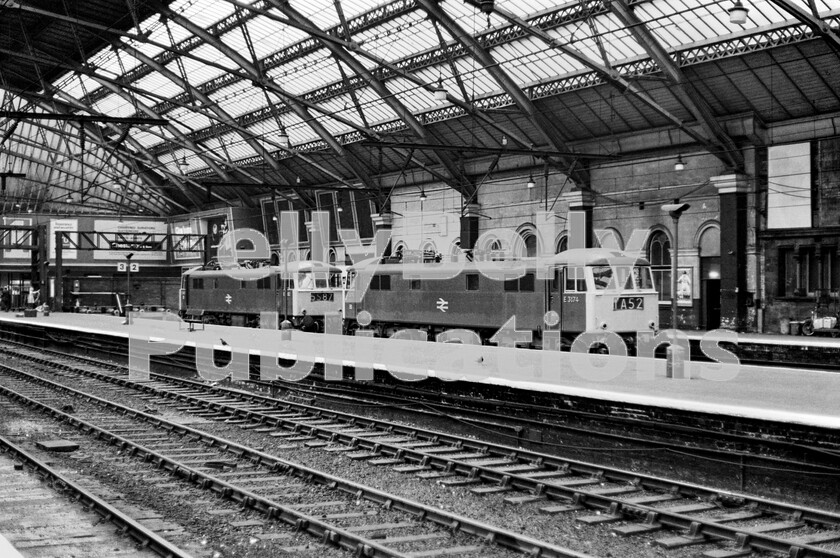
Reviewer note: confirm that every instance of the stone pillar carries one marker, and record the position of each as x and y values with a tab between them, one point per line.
732	189
580	227
469	226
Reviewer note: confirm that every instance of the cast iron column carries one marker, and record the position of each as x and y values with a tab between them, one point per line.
732	189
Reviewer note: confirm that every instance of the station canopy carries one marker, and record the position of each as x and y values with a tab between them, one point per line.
164	108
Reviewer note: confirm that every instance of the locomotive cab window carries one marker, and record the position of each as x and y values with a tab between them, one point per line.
197	283
264	283
643	277
575	280
320	281
414	285
602	276
304	280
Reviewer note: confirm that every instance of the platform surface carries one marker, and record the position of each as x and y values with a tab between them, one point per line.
803	396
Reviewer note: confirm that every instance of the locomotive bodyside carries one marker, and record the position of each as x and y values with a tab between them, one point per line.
238	297
588	290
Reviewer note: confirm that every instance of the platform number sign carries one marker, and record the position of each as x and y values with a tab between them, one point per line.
123	266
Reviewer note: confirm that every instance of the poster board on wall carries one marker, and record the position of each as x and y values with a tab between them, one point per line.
193	226
68	226
217	227
23	237
133	231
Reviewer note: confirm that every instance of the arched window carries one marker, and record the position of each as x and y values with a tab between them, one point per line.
531	246
528	246
659	255
562	244
430	253
332	255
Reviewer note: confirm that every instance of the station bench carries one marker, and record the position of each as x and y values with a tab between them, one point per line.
193	317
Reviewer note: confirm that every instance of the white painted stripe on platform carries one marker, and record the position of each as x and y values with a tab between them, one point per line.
686	395
7	550
679	404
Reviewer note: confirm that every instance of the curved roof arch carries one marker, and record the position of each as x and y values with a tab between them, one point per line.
167	105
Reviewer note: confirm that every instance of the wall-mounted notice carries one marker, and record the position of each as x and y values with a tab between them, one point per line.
125	237
71	239
186	227
22	237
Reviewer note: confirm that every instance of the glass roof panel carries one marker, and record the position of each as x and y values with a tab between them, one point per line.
203	13
160	84
188	121
322	12
410	40
197	72
114	105
213	56
239	98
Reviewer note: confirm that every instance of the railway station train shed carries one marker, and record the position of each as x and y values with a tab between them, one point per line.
135	128
419	278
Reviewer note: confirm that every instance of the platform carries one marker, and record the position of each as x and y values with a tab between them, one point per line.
787	395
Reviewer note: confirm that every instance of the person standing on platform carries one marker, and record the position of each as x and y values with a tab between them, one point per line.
34	297
5	299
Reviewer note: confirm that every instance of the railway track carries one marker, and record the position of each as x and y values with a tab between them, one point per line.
79	522
358	519
644	504
745	444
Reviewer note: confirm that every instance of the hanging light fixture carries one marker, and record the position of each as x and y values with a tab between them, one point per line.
486	6
422	195
440	90
738	13
504	141
679	165
531	182
284	138
339	209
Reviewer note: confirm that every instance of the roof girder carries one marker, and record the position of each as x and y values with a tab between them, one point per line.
355	48
552	135
812	20
64	170
262	81
606	72
722	146
183	139
78	105
456	179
